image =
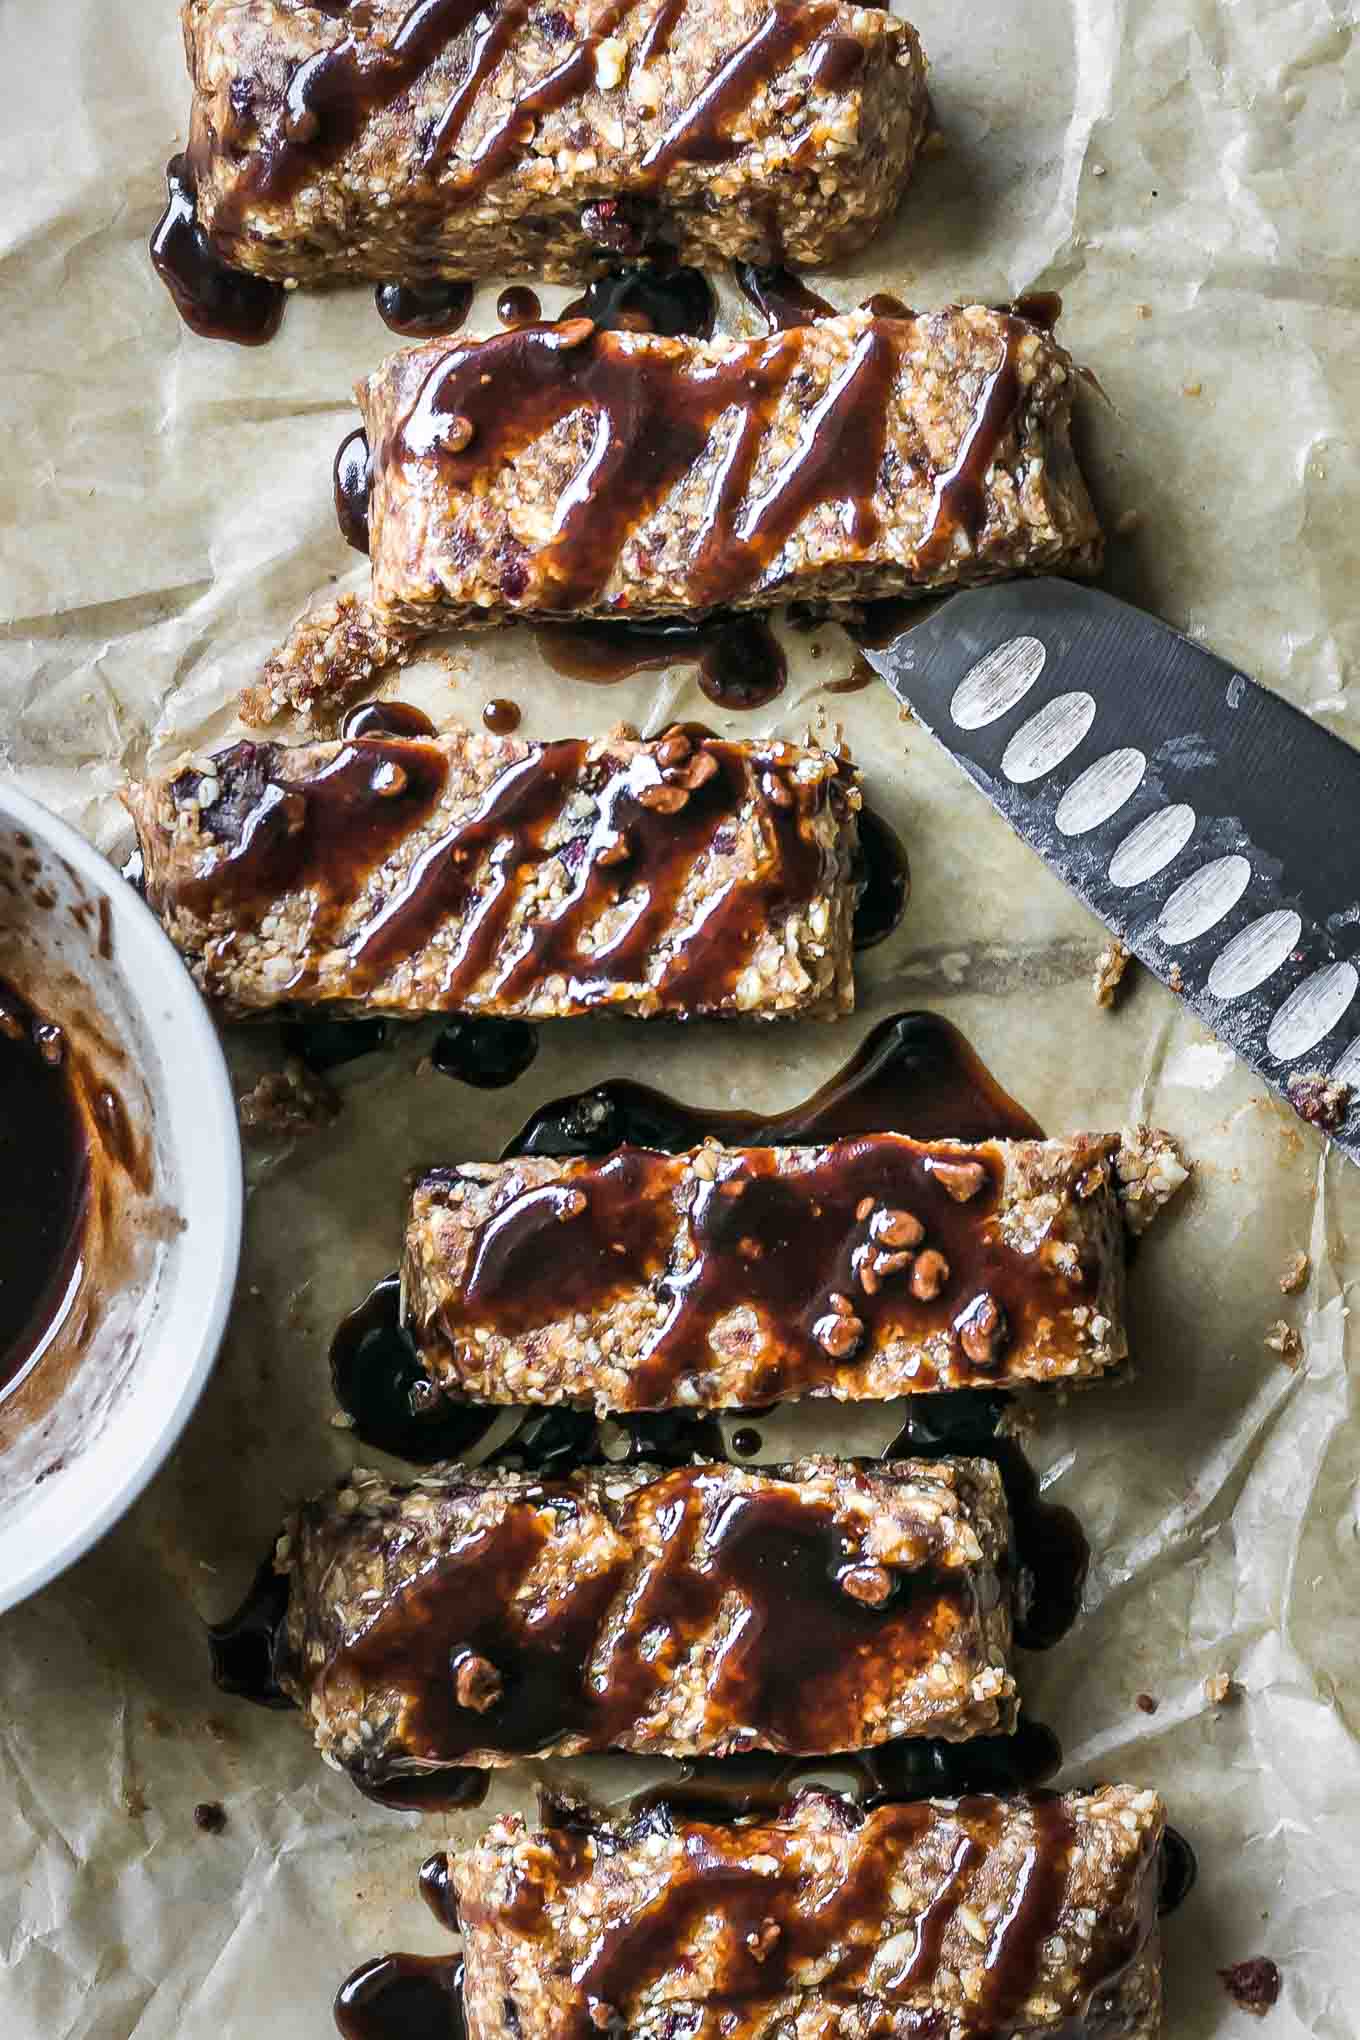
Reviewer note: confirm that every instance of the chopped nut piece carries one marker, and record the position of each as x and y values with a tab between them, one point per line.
871	1584
1296	1274
1111	964
929	1273
1254	1985
764	1939
838	1335
897	1229
1219	1688
982	1331
1284	1340
477	1684
962	1180
1145	1703
664	798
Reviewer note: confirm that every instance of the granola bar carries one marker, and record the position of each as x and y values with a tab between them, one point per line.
474	873
734	1277
560	470
448	140
475	1617
930	1920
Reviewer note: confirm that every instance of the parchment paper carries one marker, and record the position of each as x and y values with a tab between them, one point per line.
1184	173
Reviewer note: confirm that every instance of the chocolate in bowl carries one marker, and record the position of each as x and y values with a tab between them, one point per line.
120	1195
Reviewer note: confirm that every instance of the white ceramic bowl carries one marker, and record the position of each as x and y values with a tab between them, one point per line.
84	1433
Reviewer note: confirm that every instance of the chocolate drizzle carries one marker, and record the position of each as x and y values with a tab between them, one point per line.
780	1552
45	1173
483	402
353	481
213	299
654	817
883	878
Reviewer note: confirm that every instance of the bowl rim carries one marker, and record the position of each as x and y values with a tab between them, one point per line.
190	1078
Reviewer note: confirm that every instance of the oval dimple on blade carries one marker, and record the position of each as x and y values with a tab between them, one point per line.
1254	954
1100	791
1049	736
997	682
1153	845
1312	1011
1200	901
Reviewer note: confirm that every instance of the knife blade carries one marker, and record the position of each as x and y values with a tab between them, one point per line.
1213	827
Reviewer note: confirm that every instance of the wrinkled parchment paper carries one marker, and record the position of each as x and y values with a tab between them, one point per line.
1184	173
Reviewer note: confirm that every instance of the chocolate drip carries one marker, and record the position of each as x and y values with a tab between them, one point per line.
452	1788
403	1997
883	880
436	1888
651	297
380	1383
657	37
884	305
45	1173
420	310
781	1552
482	403
329	829
781	297
244	1649
1179	1872
323	1045
518	306
353	481
502	717
213	299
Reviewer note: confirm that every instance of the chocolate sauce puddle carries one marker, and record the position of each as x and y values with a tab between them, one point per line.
244	1648
740	660
403	1997
883	880
353	479
651	297
483	1051
781	297
45	1171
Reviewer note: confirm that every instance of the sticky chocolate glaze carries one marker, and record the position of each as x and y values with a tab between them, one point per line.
494	397
329	829
387	719
779	1550
323	1045
649	297
883	880
403	1997
243	1648
483	1051
740	660
213	299
45	1173
353	478
418	311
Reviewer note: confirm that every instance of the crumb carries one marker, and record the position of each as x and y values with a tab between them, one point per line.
1317	1099
1097	169
1254	1985
1296	1274
1219	1689
1111	964
211	1816
342	1420
289	1101
1143	311
1127	523
134	1802
1145	1703
1149	1168
1284	1340
1193	389
1175	979
333	652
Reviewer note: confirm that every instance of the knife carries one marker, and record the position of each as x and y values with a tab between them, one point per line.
1211	826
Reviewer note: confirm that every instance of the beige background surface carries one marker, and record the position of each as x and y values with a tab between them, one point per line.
165	508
